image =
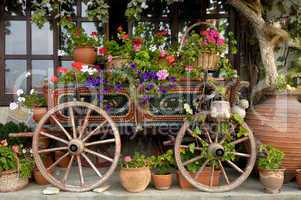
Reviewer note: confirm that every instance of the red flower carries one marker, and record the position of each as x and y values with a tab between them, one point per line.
15	149
62	70
162	33
93	34
119	29
77	65
102	51
137	44
170	59
124	36
54	79
78	32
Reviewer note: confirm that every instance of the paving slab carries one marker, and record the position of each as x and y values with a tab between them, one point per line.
250	190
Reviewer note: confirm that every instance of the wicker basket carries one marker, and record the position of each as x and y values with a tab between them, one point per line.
10	181
207	61
118	62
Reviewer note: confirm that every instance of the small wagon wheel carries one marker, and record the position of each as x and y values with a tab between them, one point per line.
76	141
233	175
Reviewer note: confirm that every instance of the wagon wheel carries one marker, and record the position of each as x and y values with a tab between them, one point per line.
233	175
75	141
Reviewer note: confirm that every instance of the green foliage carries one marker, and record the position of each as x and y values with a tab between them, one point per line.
34	100
281	82
11	127
97	10
271	157
163	163
137	161
226	69
26	167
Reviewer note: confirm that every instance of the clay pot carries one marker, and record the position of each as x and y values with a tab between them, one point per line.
298	177
86	55
275	122
39	178
272	180
203	178
135	179
63	163
38	113
162	182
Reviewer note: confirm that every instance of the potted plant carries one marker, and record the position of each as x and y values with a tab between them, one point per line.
135	174
163	165
38	177
270	172
82	46
15	168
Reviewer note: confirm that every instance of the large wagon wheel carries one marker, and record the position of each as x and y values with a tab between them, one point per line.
233	175
76	142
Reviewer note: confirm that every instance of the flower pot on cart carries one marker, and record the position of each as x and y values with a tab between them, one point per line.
86	55
135	179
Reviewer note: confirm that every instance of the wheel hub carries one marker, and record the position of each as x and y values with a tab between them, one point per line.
216	150
75	146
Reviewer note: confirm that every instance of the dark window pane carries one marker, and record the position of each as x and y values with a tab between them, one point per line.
15	75
42	40
41	70
15	37
15	8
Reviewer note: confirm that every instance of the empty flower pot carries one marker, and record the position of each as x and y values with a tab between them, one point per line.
162	182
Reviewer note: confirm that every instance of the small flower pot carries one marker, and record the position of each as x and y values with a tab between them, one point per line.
135	179
63	163
203	178
298	178
38	113
85	55
272	180
162	182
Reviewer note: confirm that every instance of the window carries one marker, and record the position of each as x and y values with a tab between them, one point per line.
28	49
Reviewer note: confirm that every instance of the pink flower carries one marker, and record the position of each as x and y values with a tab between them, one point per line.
110	58
127	159
189	68
220	42
15	149
62	70
3	143
137	44
93	34
163	54
54	79
162	74
124	36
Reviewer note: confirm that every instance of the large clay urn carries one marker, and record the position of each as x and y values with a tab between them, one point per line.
277	121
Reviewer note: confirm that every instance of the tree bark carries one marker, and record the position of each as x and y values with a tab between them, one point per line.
268	37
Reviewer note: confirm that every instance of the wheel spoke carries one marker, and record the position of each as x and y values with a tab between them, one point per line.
58	160
68	169
211	176
95	130
100	142
240	140
224	172
80	170
92	165
61	126
98	155
208	136
234	166
187	147
72	121
54	137
85	124
242	154
52	149
201	169
196	136
192	160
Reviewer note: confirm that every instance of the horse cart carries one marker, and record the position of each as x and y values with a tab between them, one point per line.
83	132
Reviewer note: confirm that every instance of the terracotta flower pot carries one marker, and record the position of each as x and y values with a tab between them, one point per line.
162	182
272	180
203	178
86	55
275	122
135	179
39	178
63	163
298	177
38	113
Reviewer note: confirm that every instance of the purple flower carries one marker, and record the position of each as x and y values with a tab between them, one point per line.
162	90
93	82
133	66
105	90
145	99
171	86
100	97
172	79
108	107
162	74
118	87
150	86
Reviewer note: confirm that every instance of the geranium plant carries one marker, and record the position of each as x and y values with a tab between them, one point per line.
137	161
270	157
163	163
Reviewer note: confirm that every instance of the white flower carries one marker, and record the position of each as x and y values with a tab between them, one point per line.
85	68
153	48
244	103
20	92
61	52
32	91
28	74
92	71
144	5
24	151
13	106
21	99
30	151
188	109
